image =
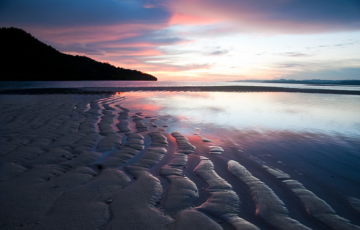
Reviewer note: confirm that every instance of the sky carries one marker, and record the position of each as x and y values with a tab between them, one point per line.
201	40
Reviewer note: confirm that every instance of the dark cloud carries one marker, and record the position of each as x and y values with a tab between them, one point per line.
293	54
342	44
289	65
79	13
219	52
294	16
156	38
93	27
75	48
345	12
136	32
335	45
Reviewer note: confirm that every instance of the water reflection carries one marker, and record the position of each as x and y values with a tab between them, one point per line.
79	84
296	112
315	138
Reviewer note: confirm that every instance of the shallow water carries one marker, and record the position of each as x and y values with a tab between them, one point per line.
314	139
261	112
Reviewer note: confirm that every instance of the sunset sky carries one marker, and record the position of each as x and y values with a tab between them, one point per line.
202	40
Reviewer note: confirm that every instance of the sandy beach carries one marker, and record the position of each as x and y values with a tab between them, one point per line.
87	158
180	115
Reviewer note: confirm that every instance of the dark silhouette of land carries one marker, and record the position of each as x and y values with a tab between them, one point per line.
309	82
24	58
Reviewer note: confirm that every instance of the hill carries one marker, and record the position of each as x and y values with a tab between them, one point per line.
24	58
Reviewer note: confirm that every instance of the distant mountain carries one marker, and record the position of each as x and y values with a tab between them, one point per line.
24	58
316	81
312	82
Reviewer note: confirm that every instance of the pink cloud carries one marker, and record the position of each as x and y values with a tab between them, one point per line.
92	34
272	16
186	19
145	52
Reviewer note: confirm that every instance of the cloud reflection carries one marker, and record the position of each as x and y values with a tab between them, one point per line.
295	112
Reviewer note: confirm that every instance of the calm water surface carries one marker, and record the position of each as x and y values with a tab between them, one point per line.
77	84
315	138
295	112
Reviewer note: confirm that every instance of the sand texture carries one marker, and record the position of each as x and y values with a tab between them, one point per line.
93	161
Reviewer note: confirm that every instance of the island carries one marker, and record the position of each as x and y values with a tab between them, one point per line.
308	82
25	58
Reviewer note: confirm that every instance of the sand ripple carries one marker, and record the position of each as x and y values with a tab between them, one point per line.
223	201
87	162
269	206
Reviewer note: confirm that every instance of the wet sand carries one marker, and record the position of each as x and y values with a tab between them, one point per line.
81	159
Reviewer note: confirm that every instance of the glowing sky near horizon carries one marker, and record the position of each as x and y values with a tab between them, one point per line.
202	40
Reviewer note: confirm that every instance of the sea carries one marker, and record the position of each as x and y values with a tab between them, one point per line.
78	84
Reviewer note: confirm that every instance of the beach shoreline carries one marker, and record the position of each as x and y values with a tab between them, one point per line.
111	161
98	90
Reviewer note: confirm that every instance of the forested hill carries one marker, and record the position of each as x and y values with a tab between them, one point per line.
26	58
